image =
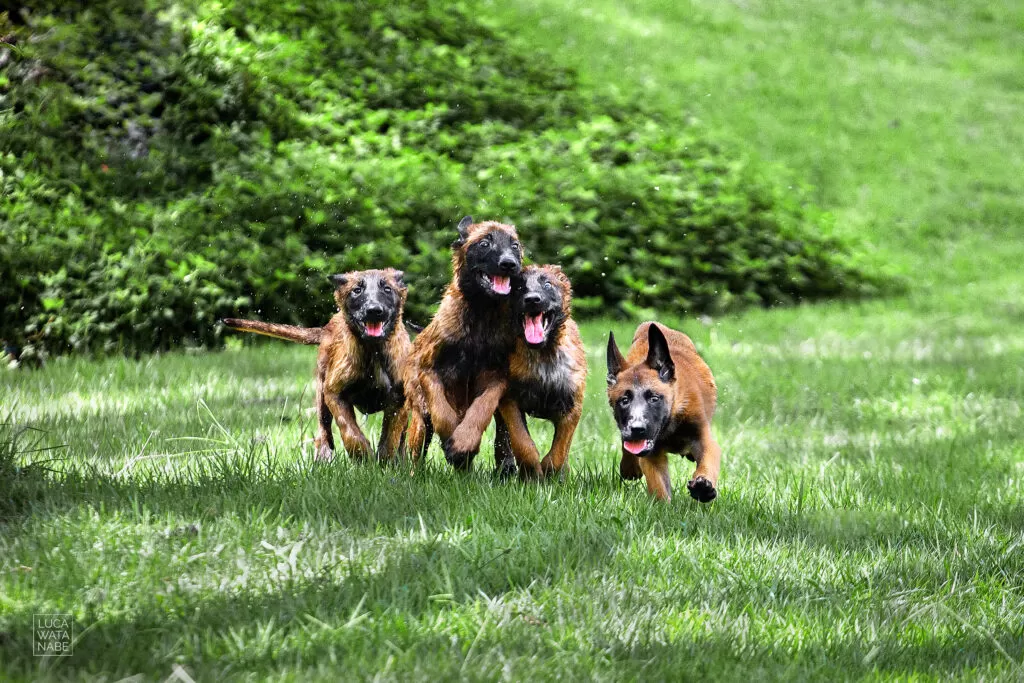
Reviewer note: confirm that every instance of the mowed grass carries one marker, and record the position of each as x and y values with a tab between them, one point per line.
869	524
870	520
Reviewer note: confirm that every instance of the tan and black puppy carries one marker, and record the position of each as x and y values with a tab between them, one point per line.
547	373
363	351
663	396
457	369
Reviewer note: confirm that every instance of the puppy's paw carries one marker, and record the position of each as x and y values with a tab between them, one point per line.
465	440
548	469
324	453
460	460
702	489
361	450
506	469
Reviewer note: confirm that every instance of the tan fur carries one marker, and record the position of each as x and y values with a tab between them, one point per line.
525	368
459	413
343	363
302	335
692	397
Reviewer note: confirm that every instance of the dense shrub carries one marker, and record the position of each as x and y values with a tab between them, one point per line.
166	164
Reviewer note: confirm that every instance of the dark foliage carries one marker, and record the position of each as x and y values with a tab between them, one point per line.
166	164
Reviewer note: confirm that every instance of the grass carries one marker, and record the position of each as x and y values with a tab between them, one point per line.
870	522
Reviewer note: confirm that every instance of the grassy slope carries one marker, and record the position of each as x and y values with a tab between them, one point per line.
870	522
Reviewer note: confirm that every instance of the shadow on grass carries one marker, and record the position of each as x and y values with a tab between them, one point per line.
360	622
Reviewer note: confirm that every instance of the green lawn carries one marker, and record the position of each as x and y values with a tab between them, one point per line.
870	520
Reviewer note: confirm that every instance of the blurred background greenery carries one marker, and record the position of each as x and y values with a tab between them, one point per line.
169	163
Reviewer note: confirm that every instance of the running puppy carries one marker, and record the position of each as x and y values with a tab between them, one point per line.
363	350
663	396
547	373
457	369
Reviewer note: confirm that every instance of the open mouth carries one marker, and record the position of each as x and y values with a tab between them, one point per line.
374	329
500	284
638	447
535	327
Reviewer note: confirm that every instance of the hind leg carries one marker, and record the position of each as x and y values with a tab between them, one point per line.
417	437
504	461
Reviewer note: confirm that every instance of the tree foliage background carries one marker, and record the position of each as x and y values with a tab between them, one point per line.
165	164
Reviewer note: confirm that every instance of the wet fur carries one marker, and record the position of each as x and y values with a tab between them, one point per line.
546	382
457	368
353	371
690	396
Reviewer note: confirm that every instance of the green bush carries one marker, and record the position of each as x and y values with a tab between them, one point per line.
168	164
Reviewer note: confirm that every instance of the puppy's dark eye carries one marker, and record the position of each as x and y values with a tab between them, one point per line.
654	398
485	242
515	247
387	289
624	401
358	290
548	286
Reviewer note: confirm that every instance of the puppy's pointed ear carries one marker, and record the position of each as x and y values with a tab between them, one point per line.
562	277
658	356
399	276
615	359
464	229
338	280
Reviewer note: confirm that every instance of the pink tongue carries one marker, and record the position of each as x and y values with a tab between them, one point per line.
534	328
502	285
375	329
635	447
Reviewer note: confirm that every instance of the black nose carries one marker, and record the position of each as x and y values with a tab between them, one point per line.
507	264
532	298
375	312
636	432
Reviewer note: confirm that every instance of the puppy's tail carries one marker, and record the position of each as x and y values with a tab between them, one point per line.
302	335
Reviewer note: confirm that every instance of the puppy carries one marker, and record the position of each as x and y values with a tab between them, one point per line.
458	367
547	373
663	396
363	350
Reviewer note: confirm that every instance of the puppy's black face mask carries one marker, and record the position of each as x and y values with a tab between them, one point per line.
371	304
491	261
641	395
539	306
641	414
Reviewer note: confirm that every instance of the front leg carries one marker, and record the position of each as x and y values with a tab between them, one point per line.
356	443
655	469
708	455
558	455
443	416
462	446
523	448
324	440
391	432
629	467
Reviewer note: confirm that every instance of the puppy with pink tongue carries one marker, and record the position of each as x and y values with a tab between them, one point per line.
501	284
547	374
533	329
